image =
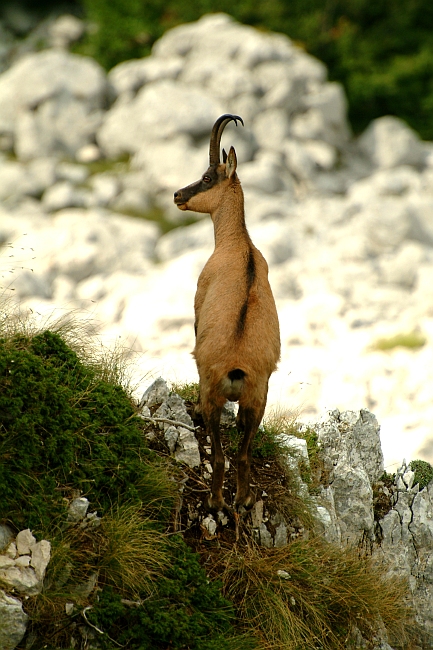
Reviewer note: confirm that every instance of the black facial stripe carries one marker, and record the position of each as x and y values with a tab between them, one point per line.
200	186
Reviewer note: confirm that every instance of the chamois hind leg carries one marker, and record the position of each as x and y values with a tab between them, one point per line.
248	421
211	416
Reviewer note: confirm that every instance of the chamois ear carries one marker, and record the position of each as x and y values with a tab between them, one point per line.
231	163
224	156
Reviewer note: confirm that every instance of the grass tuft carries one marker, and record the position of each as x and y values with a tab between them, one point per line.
190	392
310	595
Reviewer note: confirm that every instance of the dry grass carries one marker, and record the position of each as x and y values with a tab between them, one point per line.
310	595
115	364
280	420
135	554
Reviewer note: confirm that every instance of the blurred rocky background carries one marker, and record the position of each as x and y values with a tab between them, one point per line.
105	111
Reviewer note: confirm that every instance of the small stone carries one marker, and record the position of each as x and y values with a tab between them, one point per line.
77	509
88	154
22	561
41	553
265	537
283	574
6	536
69	608
11	550
257	514
157	393
408	478
222	518
171	436
13	621
209	524
280	538
208	467
25	541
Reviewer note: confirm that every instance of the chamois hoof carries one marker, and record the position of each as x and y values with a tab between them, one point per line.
243	506
216	505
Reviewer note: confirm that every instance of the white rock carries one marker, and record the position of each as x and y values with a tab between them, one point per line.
25	541
187	450
129	76
179	240
160	110
401	267
23	579
63	195
13	621
6	536
210	524
77	509
75	174
50	103
389	142
157	393
88	153
41	553
105	188
65	30
171	436
11	550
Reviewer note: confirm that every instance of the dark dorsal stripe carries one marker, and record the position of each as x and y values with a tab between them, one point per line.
250	277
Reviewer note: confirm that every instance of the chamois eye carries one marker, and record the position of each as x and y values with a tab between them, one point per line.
207	179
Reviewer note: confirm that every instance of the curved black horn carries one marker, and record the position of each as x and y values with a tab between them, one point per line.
217	131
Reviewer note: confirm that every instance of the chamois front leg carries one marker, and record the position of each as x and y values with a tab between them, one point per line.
211	419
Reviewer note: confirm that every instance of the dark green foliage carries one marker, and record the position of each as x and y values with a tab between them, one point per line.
423	472
185	611
62	428
381	51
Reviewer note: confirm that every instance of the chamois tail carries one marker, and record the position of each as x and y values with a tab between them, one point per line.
233	384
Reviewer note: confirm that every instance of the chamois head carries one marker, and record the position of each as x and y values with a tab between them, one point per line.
204	195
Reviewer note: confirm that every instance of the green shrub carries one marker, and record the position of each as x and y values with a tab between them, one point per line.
185	611
63	428
423	472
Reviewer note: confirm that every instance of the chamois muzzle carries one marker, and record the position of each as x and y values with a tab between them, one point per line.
215	138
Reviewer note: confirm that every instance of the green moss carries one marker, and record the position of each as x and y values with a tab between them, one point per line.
423	472
63	428
411	340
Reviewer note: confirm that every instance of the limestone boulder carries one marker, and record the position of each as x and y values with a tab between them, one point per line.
51	103
160	111
389	142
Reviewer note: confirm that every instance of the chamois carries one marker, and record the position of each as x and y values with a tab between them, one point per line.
236	324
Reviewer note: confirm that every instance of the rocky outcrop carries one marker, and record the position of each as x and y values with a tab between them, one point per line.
350	484
344	223
354	502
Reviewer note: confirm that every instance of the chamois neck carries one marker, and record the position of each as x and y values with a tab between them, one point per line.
229	218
